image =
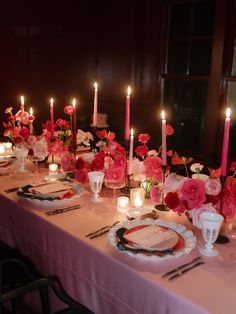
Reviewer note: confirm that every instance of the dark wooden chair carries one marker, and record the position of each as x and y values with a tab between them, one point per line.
18	276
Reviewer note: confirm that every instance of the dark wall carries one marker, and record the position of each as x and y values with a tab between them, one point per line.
52	49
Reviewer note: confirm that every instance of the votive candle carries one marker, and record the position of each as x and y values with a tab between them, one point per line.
127	114
131	149
137	196
224	157
2	148
8	145
53	168
52	116
95	105
122	204
163	128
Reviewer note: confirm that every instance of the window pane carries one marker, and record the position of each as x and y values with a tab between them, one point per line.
177	58
203	21
180	19
201	57
231	102
185	103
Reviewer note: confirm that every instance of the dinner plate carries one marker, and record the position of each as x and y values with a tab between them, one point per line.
185	244
26	193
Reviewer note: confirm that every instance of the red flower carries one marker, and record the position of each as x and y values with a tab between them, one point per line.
80	163
101	155
97	164
47	125
81	175
68	110
111	136
101	134
11	119
169	130
141	150
172	200
24	132
233	166
176	160
60	123
120	161
193	192
144	138
55	147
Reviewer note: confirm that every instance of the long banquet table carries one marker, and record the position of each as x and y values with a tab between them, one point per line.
103	279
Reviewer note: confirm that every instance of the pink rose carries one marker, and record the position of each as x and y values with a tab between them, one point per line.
193	192
115	174
68	110
213	186
155	194
144	138
141	150
81	175
153	168
24	132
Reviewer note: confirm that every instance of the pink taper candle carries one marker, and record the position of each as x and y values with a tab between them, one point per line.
52	117
31	122
164	160
224	157
127	115
131	149
74	120
95	105
22	101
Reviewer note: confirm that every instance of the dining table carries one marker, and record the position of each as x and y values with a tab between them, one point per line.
97	274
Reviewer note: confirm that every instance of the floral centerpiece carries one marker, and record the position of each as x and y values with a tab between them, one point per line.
106	155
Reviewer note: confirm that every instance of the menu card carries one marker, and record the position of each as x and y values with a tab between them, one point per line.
152	236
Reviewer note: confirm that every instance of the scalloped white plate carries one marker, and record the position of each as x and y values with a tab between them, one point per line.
189	238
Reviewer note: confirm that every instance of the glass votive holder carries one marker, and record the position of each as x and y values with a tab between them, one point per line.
122	204
2	148
137	197
8	145
53	169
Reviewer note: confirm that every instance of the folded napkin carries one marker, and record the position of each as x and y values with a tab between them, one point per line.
56	189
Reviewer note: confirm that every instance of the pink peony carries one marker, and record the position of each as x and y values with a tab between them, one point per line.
144	138
141	150
196	212
155	194
213	186
68	110
40	148
153	167
81	175
193	192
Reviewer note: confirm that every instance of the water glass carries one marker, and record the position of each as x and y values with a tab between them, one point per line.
211	223
95	181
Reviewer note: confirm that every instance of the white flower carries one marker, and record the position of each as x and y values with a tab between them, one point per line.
40	148
197	167
152	152
173	183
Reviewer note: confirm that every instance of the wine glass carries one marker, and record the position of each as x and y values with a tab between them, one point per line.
114	185
95	181
211	223
21	154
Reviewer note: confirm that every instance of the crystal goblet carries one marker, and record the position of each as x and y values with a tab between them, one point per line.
211	223
21	154
95	181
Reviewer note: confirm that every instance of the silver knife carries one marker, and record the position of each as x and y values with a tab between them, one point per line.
181	272
180	267
101	229
62	210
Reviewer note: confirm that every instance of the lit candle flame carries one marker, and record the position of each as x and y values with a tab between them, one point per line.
22	100
31	111
132	132
96	86
129	91
228	113
74	102
163	116
51	101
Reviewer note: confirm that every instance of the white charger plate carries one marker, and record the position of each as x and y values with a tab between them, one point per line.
189	238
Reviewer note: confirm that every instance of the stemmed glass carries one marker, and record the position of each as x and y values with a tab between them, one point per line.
21	154
114	185
211	223
95	181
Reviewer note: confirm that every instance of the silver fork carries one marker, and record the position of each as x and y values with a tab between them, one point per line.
100	231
